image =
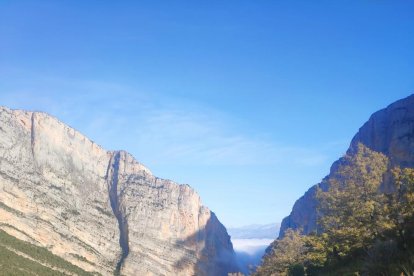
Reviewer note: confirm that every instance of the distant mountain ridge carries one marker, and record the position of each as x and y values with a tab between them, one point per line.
101	210
255	231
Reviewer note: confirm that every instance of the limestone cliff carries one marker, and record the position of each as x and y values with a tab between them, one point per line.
389	131
103	211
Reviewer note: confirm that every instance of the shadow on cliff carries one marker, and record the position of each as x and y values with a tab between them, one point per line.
216	258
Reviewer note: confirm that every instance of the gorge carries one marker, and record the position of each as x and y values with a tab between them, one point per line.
103	212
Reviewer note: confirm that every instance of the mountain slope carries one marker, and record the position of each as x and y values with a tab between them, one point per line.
102	211
22	258
389	131
360	219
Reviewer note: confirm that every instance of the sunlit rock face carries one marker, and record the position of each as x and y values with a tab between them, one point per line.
389	131
101	210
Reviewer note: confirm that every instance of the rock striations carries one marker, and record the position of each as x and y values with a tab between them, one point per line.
103	211
389	131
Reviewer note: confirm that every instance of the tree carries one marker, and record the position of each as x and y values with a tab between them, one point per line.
350	208
285	252
360	228
401	201
400	214
296	270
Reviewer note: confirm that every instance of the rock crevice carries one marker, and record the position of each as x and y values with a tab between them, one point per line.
113	181
32	134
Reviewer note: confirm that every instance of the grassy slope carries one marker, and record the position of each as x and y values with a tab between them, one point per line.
44	263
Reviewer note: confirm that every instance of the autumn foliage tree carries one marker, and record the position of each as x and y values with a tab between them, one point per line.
350	208
285	252
362	228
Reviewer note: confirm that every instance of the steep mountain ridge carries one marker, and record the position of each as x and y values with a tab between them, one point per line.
389	131
69	195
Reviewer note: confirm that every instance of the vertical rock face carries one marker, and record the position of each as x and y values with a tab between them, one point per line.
102	211
164	227
389	131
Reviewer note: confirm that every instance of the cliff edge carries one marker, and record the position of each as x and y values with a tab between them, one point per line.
101	210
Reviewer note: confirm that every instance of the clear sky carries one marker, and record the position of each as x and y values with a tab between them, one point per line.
249	102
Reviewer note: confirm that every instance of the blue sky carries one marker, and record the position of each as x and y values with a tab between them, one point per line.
249	102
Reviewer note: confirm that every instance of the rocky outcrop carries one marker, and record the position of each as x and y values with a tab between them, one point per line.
389	131
103	211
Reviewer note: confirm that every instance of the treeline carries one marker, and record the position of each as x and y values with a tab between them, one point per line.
365	223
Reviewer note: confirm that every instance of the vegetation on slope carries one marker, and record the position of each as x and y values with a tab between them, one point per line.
18	257
361	231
